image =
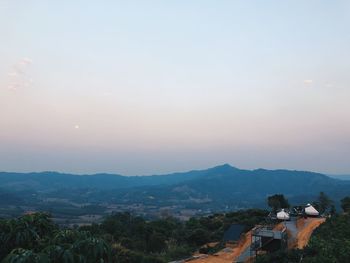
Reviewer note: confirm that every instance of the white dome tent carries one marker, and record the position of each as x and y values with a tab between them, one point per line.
311	211
283	215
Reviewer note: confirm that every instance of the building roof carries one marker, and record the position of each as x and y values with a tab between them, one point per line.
234	232
283	215
310	210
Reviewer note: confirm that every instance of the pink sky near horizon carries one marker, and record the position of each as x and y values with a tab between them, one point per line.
129	88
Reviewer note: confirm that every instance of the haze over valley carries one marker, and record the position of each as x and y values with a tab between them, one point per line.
77	199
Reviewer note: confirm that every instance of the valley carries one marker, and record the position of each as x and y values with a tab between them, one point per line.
85	199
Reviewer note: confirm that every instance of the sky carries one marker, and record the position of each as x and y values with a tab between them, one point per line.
150	87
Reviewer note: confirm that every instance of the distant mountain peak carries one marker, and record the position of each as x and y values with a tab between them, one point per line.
224	168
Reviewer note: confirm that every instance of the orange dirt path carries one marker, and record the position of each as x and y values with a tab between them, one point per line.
305	228
308	226
227	257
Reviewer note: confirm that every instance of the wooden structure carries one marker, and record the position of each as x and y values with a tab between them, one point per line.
265	238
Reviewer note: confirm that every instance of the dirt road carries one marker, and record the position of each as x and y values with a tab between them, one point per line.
307	227
227	257
303	229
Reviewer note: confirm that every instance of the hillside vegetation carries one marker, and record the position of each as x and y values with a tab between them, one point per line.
121	238
126	238
219	189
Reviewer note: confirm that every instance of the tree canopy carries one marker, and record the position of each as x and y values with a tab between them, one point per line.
277	201
324	203
121	237
345	204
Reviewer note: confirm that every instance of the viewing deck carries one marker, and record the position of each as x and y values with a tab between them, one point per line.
268	239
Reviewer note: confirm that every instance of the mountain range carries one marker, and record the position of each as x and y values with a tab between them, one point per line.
216	189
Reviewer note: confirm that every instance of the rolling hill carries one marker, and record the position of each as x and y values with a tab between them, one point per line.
215	189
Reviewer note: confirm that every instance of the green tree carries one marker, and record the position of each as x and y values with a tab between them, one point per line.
324	202
27	232
123	255
21	255
92	249
277	201
199	237
156	243
345	204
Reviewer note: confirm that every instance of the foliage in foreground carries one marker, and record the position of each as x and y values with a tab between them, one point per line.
121	238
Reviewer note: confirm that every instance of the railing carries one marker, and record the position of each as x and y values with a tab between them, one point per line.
268	232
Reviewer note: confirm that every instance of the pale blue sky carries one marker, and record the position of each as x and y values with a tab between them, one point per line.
142	87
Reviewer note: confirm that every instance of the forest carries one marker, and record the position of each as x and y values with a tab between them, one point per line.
128	238
121	237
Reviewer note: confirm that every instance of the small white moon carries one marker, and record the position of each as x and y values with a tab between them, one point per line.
308	81
76	127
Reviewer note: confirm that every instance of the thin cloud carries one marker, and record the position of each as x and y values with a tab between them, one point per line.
13	86
26	61
329	85
12	74
18	75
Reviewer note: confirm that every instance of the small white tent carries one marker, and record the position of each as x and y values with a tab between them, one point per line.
283	215
311	211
